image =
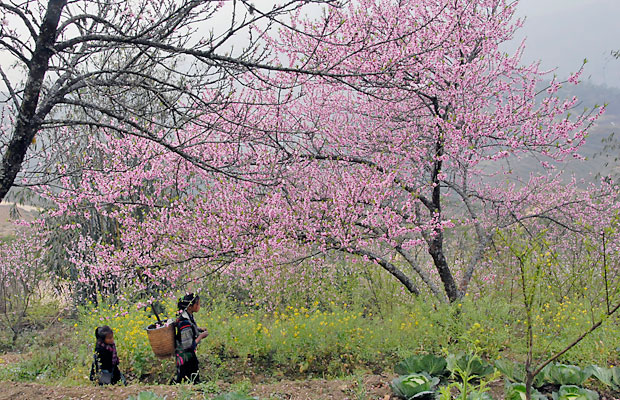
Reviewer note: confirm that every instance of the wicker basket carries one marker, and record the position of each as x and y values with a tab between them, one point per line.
161	339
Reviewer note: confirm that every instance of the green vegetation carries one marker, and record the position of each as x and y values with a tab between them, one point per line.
359	322
146	396
414	386
470	340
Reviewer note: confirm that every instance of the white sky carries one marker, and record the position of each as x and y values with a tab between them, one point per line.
561	33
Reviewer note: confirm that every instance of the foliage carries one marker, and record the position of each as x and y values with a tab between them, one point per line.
608	376
572	392
324	338
468	366
467	390
345	174
429	363
562	374
129	326
477	395
22	277
49	363
535	256
414	386
147	396
515	372
516	391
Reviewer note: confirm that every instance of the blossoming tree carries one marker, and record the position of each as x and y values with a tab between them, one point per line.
411	140
378	167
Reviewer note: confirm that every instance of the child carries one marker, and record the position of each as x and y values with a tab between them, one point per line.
105	367
188	335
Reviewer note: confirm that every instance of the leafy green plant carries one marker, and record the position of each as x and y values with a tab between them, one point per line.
242	387
146	396
607	376
414	386
572	392
479	395
208	387
514	372
470	365
562	374
516	391
429	363
466	390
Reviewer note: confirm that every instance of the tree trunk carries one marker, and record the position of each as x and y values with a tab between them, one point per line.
27	123
435	242
435	249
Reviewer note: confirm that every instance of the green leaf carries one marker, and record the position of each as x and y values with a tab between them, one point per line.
513	371
615	373
478	395
146	396
516	391
542	377
572	392
562	374
468	365
429	363
607	376
604	375
410	386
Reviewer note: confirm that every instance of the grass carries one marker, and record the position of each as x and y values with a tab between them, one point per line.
317	340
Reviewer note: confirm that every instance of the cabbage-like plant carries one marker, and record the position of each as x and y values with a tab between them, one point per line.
562	374
607	376
516	391
468	365
414	386
429	363
513	371
572	392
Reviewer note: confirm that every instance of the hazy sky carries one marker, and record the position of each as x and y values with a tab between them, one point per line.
561	33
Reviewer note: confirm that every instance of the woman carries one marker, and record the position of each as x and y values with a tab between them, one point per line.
188	335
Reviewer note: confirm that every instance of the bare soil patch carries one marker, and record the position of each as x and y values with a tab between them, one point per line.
14	390
370	387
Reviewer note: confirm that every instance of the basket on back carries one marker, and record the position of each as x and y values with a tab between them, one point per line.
161	339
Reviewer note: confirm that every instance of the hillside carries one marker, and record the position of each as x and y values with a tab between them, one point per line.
7	217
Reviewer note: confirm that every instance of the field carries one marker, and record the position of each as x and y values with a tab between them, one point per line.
320	349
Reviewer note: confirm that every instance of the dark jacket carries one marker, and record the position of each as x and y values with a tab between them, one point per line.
106	355
187	332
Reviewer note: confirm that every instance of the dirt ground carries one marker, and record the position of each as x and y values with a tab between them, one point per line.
374	387
32	391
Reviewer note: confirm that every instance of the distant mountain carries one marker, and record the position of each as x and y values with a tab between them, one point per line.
601	158
9	212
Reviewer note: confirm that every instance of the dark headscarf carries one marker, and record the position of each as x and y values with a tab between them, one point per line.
187	301
101	332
